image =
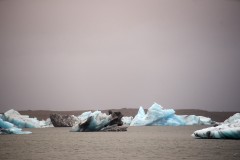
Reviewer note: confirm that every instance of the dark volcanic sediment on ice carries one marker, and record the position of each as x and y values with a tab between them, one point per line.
215	116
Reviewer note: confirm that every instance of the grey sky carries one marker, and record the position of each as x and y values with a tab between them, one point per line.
72	55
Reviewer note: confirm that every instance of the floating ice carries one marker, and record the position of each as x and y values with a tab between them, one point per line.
5	124
9	128
92	121
23	121
12	121
138	120
157	116
230	129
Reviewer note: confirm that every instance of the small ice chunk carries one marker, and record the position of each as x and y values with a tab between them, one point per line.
157	116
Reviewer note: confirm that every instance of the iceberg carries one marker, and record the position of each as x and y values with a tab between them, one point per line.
98	121
92	121
157	116
9	128
12	121
229	129
5	125
23	121
138	120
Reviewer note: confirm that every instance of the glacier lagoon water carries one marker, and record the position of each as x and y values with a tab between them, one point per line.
138	143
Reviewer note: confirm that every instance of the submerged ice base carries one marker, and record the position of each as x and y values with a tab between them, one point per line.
229	129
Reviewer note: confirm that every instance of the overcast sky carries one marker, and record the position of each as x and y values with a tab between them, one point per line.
91	54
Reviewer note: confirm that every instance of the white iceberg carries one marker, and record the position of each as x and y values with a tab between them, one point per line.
23	121
229	129
157	116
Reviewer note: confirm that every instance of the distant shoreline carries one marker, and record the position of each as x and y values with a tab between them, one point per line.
215	116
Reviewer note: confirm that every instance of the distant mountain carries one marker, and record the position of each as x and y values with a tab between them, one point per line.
215	116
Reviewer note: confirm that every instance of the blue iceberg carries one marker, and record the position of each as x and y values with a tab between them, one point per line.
12	121
9	128
157	116
5	124
229	129
23	121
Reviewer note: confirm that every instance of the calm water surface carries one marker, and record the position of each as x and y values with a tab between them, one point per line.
138	143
